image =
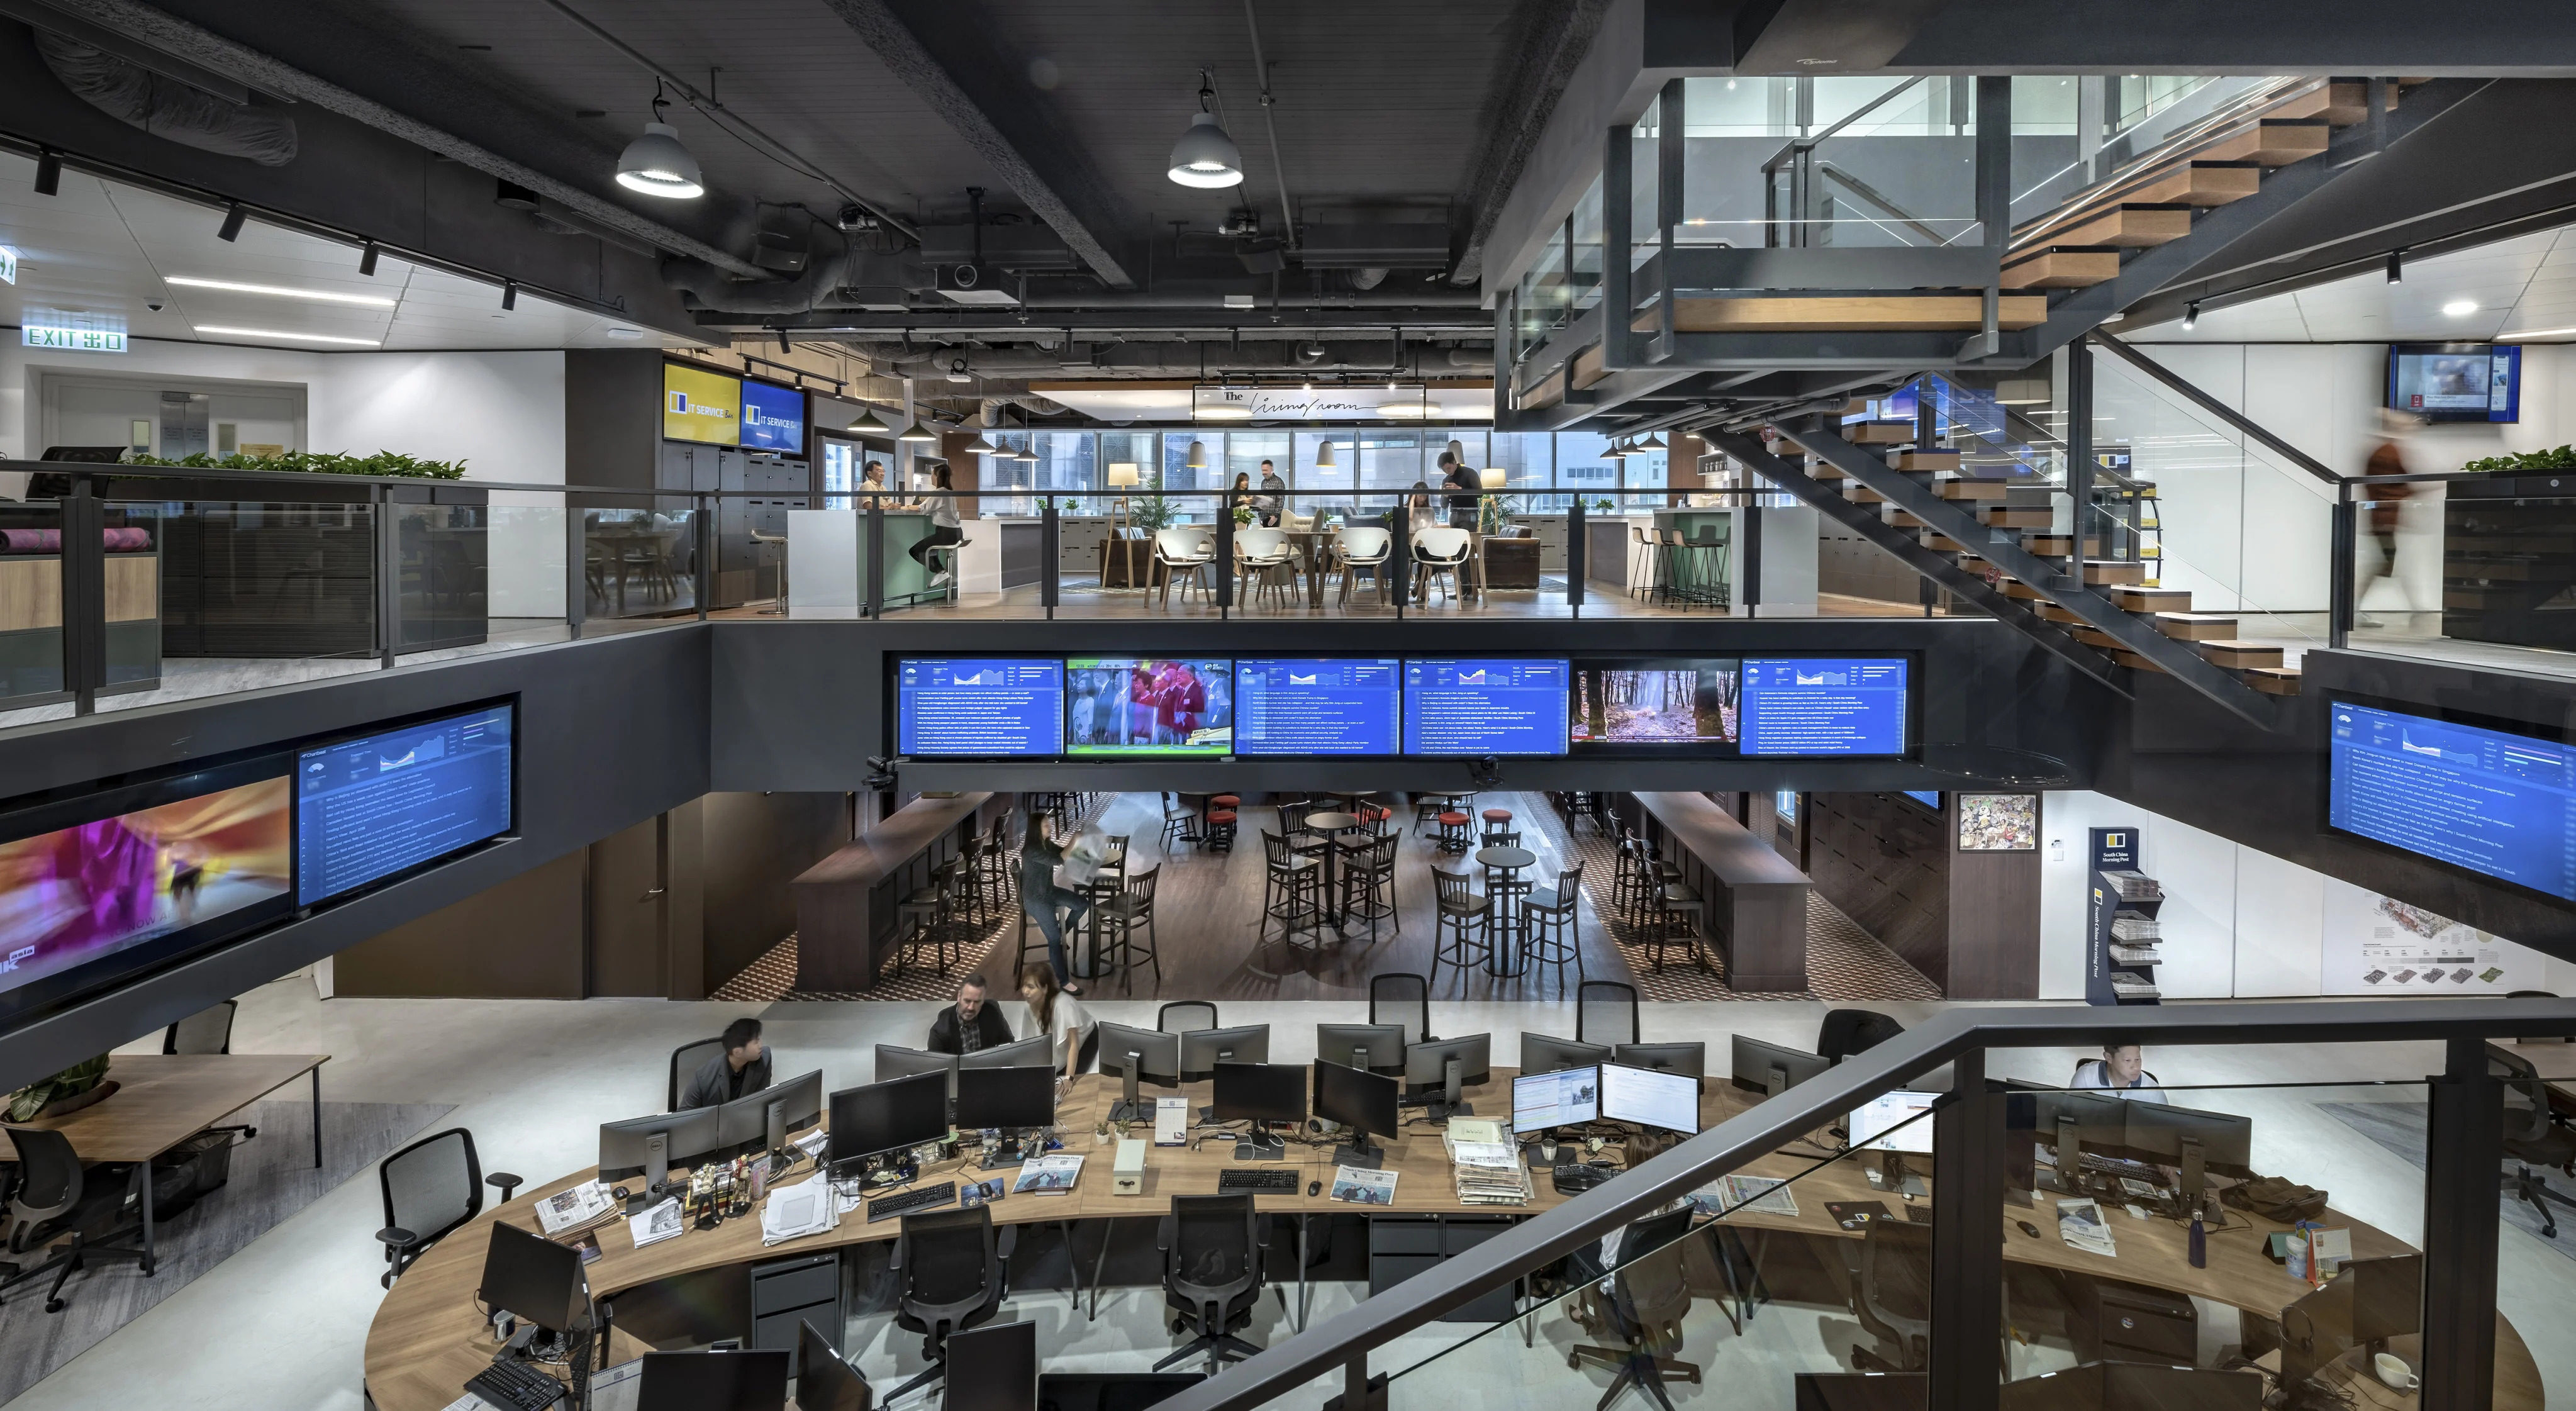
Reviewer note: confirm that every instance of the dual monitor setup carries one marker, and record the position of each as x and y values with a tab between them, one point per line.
1390	707
760	1121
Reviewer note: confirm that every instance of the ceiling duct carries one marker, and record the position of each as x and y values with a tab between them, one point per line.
165	107
1174	359
1381	245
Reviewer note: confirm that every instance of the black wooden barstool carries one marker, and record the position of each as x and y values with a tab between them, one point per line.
1554	934
1368	883
1673	913
1459	906
1131	911
1292	891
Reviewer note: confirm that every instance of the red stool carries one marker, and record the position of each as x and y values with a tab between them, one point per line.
1497	819
1371	815
1220	830
1453	831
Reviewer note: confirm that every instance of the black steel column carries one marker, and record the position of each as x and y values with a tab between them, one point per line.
1618	196
576	569
1752	558
1668	211
2342	552
1399	551
1224	564
2079	450
872	585
2464	1138
1050	545
1577	537
84	570
1967	1251
702	525
387	545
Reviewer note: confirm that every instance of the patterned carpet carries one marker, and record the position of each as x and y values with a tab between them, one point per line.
1844	962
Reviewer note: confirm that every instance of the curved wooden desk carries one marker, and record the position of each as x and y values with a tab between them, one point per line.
427	1338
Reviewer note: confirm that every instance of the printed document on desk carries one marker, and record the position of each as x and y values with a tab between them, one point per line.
660	1223
571	1209
1048	1175
793	1212
2080	1224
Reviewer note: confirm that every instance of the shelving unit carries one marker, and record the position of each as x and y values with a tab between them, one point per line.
2128	937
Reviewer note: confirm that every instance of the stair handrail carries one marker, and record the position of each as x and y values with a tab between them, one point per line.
2173	382
2249	110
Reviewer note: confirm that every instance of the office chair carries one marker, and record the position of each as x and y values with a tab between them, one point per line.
430	1187
56	1197
1212	1247
206	1031
1402	998
1849	1031
1605	1013
1649	1296
1183	1015
1891	1294
952	1271
2534	1136
686	1060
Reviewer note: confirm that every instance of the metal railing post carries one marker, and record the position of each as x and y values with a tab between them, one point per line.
576	569
1967	1260
2079	451
872	589
1576	550
2464	1134
1752	558
386	548
1224	564
703	516
1050	555
84	571
1399	553
2343	552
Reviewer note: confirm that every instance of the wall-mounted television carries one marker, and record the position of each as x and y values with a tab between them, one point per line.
701	405
102	886
979	707
377	806
1310	706
1475	706
2487	796
1148	706
2456	381
1825	706
1657	706
773	417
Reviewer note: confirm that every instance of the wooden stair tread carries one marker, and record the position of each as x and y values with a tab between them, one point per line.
2130	224
1969	489
1803	313
2055	268
2129	597
2195	626
2233	653
2272	680
2273	142
1911	461
2202	183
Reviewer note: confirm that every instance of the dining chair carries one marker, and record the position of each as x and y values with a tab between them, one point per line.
1182	551
1441	550
1260	556
1369	549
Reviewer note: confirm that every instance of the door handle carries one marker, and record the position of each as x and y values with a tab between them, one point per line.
654	892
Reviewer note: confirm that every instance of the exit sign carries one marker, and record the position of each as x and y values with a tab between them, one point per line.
8	264
75	340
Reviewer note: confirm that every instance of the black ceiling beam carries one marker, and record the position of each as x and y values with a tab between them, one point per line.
997	117
2531	37
1548	39
1007	323
1811	37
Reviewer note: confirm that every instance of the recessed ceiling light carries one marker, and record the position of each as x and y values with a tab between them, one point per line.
278	291
294	337
626	333
2460	308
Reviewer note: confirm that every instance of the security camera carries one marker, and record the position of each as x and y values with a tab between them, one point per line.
880	773
153	304
1485	772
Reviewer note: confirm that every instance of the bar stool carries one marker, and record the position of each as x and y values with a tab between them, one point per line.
1676	908
1368	883
1219	834
1628	885
1292	891
1641	562
1001	863
1497	820
1459	904
1427	809
1129	911
1707	553
965	872
1555	937
1453	831
923	917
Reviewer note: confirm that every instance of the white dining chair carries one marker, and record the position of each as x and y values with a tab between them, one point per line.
1179	552
1365	548
1440	550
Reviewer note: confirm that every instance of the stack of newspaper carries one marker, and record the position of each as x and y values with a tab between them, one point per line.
1486	1163
793	1212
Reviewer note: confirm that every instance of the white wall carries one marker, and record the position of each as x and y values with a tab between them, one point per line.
2237	923
502	413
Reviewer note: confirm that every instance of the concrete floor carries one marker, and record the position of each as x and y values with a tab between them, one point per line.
281	1326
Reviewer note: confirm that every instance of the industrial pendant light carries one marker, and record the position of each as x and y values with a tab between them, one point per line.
1198	456
1324	458
866	423
919	435
981	447
1205	157
656	163
1653	443
1617	450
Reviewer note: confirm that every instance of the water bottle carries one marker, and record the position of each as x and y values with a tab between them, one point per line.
2199	1242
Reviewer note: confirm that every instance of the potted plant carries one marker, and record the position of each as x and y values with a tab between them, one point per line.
70	1090
1242	516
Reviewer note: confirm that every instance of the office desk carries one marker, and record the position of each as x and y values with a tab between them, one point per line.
846	905
1755	900
427	1339
2556	1065
163	1099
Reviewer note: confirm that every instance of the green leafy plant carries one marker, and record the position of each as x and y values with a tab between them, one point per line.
385	463
71	1082
1151	512
1242	515
2563	458
1602	505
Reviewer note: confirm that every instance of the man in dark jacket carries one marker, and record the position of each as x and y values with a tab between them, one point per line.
970	1024
742	1068
1465	485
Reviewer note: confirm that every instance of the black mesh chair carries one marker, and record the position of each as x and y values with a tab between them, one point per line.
952	1270
431	1187
1605	1012
206	1031
1402	998
1212	1246
1891	1292
1183	1015
1649	1296
1848	1031
2533	1136
56	1197
686	1060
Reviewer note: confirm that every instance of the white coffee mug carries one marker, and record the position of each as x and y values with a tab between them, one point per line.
2392	1369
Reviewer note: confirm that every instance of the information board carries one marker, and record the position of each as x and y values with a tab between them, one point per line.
2499	804
368	808
979	708
1824	706
1485	706
1317	707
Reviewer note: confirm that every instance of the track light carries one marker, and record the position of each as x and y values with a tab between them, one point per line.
1205	157
2190	315
657	163
2396	266
49	171
509	293
234	215
367	260
784	347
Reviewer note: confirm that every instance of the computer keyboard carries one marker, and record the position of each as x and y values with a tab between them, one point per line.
905	1202
516	1386
1277	1180
1574	1177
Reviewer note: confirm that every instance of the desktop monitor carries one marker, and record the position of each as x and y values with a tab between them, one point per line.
1770	1068
534	1277
1260	1092
1363	1101
2055	1117
646	1146
2158	1133
897	1062
1007	1098
1563	1098
1646	1098
770	1115
2387	1296
1377	1047
1893	1122
1439	1069
713	1381
994	1368
1546	1053
888	1116
823	1381
1035	1051
1138	1056
1203	1049
1691	1058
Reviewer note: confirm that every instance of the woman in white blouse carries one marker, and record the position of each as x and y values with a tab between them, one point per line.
1060	1017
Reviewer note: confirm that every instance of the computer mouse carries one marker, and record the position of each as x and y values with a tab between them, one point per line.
619	1192
1314	1188
2028	1228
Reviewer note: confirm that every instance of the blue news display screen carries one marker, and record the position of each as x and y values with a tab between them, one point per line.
2498	804
1824	706
962	706
773	418
1486	706
368	808
1929	798
1292	707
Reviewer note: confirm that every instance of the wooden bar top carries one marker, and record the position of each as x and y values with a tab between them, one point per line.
427	1338
847	905
162	1099
1722	845
882	851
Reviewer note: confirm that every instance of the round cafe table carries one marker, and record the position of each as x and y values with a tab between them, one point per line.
1331	825
1506	889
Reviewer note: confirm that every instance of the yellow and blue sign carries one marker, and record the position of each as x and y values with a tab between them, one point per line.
698	405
